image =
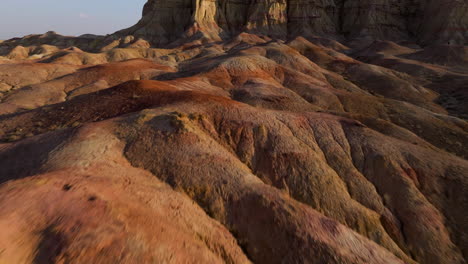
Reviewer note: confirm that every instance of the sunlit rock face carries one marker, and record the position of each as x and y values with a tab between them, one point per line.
426	22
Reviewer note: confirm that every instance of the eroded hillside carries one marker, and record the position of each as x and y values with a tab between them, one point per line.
238	138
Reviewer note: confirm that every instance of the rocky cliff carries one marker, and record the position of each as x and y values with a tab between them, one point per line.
424	21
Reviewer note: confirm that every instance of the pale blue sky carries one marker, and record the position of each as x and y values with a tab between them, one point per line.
67	17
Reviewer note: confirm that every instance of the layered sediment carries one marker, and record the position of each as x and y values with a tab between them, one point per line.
426	22
240	132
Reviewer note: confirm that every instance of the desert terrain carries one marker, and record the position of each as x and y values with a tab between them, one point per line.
222	131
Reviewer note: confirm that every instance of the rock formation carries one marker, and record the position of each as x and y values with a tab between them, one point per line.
426	22
240	132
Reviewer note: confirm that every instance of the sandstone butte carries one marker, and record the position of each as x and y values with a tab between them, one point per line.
222	131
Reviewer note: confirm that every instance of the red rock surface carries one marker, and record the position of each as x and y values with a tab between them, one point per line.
242	149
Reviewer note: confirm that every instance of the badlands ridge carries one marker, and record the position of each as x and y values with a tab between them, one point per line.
222	131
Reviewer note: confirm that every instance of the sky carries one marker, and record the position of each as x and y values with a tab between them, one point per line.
67	17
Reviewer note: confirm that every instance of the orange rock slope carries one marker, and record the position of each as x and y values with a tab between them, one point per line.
250	148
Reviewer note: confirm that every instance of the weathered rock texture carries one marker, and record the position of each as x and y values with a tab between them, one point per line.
235	147
424	21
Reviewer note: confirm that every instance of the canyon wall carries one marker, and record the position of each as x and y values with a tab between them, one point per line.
424	21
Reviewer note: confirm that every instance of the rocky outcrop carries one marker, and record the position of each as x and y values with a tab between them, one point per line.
426	22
